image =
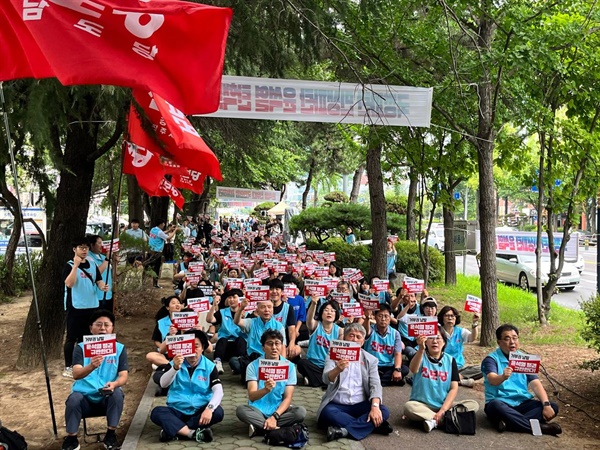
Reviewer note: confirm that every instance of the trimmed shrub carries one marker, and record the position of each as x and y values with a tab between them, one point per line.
336	197
356	256
591	329
408	261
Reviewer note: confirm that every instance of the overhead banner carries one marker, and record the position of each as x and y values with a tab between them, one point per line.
225	194
322	101
525	242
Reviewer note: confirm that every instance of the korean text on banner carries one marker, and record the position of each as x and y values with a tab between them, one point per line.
422	326
413	285
99	345
473	304
369	302
199	304
524	363
185	320
352	310
181	344
275	370
344	350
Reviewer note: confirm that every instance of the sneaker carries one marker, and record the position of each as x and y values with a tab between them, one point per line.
110	441
157	286
219	367
552	428
501	426
467	382
162	437
204	435
429	425
68	373
70	443
251	431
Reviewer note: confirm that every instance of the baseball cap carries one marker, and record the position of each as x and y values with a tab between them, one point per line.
429	301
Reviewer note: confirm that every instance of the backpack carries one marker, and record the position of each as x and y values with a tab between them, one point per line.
11	440
295	436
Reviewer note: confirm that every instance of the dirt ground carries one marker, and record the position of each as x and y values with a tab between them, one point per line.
24	401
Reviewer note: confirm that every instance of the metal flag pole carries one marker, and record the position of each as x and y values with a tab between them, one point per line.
35	300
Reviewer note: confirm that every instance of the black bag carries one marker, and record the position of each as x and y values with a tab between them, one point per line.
295	436
457	420
11	440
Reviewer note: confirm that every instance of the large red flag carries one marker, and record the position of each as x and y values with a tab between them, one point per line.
146	167
14	38
167	189
174	48
193	181
182	143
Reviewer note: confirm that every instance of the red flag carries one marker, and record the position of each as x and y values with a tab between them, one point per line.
193	181
170	47
182	142
167	189
145	166
14	39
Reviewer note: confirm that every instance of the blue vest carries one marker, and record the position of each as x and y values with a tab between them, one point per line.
513	391
106	276
189	394
228	329
271	401
403	327
318	344
163	326
281	317
454	346
381	347
432	383
257	328
83	292
97	379
156	244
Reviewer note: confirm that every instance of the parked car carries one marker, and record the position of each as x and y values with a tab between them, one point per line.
435	238
586	235
520	270
579	263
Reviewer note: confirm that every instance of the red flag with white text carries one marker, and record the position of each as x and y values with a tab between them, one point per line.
182	142
146	167
193	181
174	48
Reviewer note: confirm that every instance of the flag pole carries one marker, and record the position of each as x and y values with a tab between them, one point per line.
28	254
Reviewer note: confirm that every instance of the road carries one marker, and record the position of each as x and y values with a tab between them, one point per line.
585	289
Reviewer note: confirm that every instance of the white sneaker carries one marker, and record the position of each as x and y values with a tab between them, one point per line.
429	425
251	431
467	382
219	367
68	372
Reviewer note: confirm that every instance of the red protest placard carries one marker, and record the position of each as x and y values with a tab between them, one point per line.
193	278
344	350
422	326
207	291
252	282
275	370
331	283
234	283
199	304
184	320
289	290
257	293
196	266
340	298
291	257
106	246
353	275
352	310
413	285
381	285
318	290
280	267
393	238
524	363
322	271
329	256
263	273
99	345
473	304
216	252
368	302
181	344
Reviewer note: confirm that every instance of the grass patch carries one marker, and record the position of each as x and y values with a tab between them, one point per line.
519	308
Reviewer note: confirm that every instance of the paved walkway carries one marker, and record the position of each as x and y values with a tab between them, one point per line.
231	434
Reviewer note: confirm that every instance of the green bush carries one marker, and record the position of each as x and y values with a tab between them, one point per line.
591	329
408	261
396	204
336	197
20	275
346	255
265	206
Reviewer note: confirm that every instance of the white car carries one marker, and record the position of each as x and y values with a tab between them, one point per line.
435	238
520	270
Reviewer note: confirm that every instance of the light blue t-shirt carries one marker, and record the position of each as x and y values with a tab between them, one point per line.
270	402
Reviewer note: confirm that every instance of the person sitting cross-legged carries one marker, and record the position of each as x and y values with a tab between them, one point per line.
194	398
97	386
351	406
270	402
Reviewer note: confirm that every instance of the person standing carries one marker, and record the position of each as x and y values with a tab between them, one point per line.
157	241
81	278
350	238
95	255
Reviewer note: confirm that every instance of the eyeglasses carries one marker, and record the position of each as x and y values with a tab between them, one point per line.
273	343
436	338
510	339
450	316
102	324
383	316
83	247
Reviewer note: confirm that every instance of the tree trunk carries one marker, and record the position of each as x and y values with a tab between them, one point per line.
378	211
135	205
449	256
309	179
72	205
411	232
192	208
159	210
356	183
7	284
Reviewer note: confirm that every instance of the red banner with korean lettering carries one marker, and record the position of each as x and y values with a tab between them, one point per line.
174	48
146	167
182	143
